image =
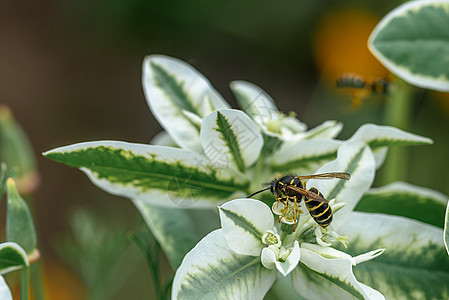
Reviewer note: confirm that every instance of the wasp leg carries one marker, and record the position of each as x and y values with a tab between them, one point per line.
296	211
279	200
285	202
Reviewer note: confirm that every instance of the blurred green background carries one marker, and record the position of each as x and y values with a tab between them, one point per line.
71	71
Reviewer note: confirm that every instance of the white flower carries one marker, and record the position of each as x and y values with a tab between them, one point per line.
249	248
284	260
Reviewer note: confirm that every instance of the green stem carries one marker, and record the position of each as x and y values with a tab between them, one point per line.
152	257
36	271
398	113
37	284
24	283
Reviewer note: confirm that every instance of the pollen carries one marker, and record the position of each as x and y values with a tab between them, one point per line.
271	238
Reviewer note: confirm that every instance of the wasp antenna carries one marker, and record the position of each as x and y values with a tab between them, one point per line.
255	193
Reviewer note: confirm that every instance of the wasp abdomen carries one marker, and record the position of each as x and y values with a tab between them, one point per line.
320	211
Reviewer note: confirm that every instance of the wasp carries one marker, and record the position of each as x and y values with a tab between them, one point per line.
291	190
360	88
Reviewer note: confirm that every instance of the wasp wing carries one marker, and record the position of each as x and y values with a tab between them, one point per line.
307	194
341	175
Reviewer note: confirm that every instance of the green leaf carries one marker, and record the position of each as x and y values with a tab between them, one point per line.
19	223
16	150
213	271
304	155
5	293
446	230
244	221
154	174
412	41
356	159
403	199
318	277
172	88
12	257
414	265
3	178
177	230
229	135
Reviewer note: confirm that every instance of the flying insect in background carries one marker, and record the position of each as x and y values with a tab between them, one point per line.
360	88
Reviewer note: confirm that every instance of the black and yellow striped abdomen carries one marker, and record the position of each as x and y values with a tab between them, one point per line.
320	211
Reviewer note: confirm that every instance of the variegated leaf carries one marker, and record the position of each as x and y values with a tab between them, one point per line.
163	139
321	278
414	265
244	221
177	230
327	130
230	139
412	42
5	293
173	87
12	257
213	271
356	159
262	109
304	155
253	100
403	199
19	222
153	174
377	136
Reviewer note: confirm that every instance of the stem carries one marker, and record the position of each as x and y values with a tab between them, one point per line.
24	283
152	257
398	113
36	271
37	284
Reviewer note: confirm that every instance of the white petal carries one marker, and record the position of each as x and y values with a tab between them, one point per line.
244	221
268	258
368	256
278	208
292	261
327	252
